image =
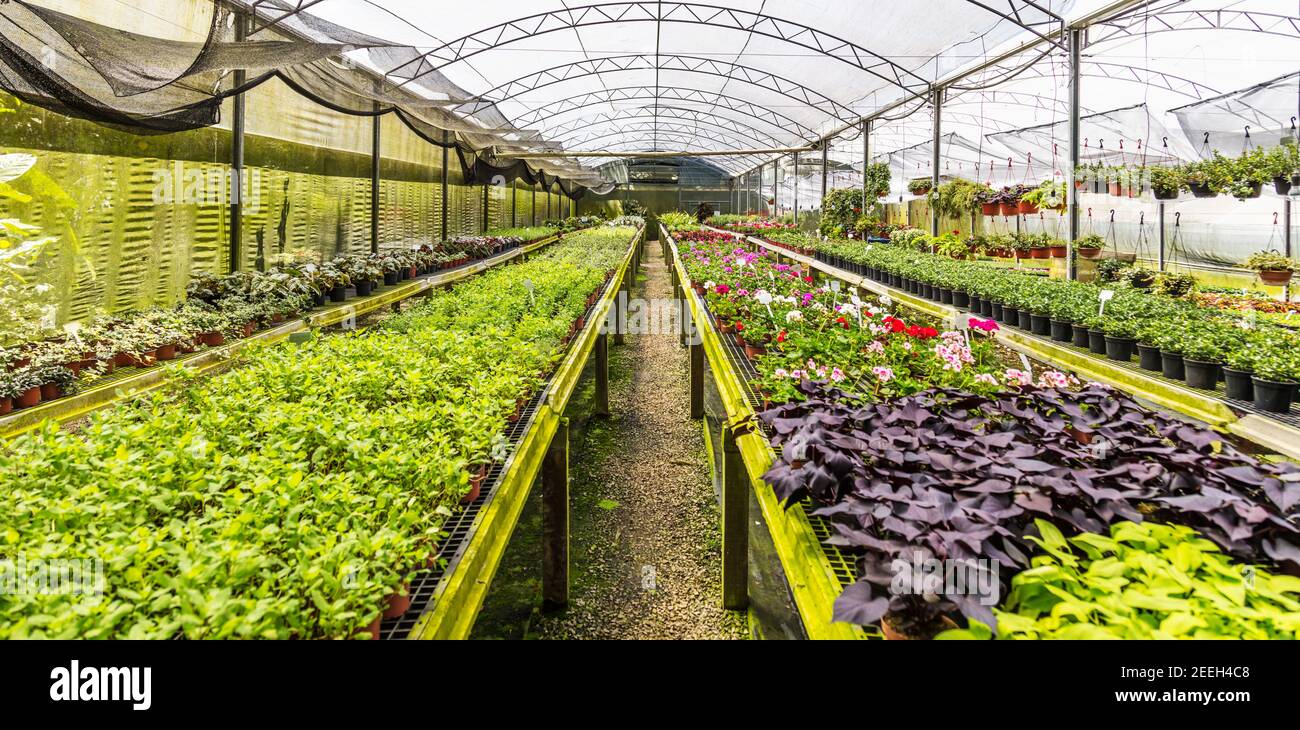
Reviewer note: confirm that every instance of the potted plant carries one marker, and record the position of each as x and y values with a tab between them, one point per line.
1148	344
1272	267
1281	162
1166	182
1208	178
1048	195
1170	342
1202	358
1139	277
1121	334
55	382
1089	246
1057	248
1239	370
25	388
1276	369
920	186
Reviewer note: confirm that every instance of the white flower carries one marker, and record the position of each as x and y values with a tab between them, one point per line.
794	315
709	285
763	296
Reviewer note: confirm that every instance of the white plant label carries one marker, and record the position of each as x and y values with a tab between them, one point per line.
1024	360
1104	296
835	286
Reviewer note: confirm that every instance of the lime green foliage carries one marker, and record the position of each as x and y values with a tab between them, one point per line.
1270	261
527	233
676	219
289	497
1144	581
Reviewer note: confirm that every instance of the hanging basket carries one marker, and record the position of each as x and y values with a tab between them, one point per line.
1008	209
989	209
1275	278
1201	190
1058	252
1089	253
1025	207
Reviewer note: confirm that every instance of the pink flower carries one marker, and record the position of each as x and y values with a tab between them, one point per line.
986	379
1053	379
883	374
837	375
986	325
1017	377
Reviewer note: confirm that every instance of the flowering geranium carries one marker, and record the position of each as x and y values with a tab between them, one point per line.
883	374
984	325
722	289
1017	377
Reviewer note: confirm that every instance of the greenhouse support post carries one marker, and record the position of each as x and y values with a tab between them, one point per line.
937	102
1286	240
446	150
240	110
555	520
486	193
534	204
514	204
796	186
866	161
825	150
735	525
697	378
776	190
374	180
1072	189
1160	256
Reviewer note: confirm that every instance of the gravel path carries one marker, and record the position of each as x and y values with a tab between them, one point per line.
646	539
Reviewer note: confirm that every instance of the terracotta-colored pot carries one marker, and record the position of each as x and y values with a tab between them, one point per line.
1058	252
249	328
145	359
50	391
1089	253
1039	253
1008	208
1275	278
6	406
754	351
989	208
123	360
372	630
398	603
29	399
893	634
166	353
214	338
1026	208
476	485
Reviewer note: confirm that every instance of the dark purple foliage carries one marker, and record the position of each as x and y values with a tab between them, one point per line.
961	476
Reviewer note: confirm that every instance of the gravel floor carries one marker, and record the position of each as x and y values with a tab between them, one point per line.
646	540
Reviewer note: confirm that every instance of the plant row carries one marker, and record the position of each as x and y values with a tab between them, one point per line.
219	309
295	496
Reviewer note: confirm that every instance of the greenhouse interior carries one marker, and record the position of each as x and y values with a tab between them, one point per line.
740	319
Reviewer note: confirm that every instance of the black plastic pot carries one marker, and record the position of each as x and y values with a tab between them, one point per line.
1201	374
960	299
1149	357
339	294
1061	331
1272	396
1096	342
363	288
1165	194
1010	315
391	277
1171	365
995	310
1201	191
1253	191
1282	185
1024	320
319	299
945	296
1040	324
1119	348
974	304
1239	384
987	309
404	273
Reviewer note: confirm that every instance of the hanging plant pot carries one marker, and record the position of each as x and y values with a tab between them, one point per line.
1201	190
1039	253
1201	374
1282	185
1163	194
1025	207
1252	191
1119	348
1149	357
1061	331
1058	252
1008	209
1275	278
1089	253
989	209
1239	384
1114	188
1272	396
1171	365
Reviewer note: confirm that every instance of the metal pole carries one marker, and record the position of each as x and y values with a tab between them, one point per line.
446	159
486	193
937	101
866	162
374	181
534	204
825	150
776	189
555	520
237	158
1286	240
796	187
514	203
1072	191
1160	259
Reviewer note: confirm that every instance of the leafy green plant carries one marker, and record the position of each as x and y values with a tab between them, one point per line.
1270	261
958	197
1142	581
1167	181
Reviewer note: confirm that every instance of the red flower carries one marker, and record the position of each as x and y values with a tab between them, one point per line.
808	279
895	325
740	326
842	322
781	337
